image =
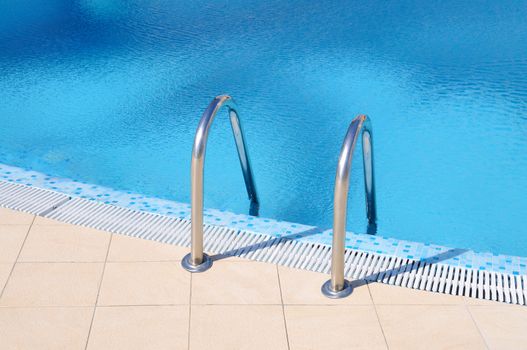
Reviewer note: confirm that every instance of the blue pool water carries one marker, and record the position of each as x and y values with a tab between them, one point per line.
110	92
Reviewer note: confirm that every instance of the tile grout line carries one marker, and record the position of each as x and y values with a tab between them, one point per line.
96	261
377	315
189	313
76	262
477	326
283	307
236	304
18	256
98	291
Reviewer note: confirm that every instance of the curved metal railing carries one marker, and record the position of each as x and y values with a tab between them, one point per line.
337	286
197	261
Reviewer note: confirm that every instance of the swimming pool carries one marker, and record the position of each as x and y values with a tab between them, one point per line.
110	92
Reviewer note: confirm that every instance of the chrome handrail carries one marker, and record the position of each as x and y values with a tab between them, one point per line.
196	260
338	286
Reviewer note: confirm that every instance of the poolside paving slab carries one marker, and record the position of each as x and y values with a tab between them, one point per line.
5	270
52	284
140	327
53	243
14	217
502	328
243	327
429	327
11	239
230	282
124	248
333	327
300	287
144	283
59	328
68	287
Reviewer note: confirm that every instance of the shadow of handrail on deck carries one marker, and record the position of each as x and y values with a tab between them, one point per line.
268	243
449	254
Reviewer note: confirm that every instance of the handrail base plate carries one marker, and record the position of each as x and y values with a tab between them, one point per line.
330	293
204	266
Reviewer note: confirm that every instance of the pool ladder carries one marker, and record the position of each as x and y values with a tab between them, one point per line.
337	286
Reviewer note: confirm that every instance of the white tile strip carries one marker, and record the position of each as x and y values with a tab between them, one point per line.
428	274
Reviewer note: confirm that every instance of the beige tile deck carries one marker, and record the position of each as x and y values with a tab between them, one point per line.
140	327
52	243
44	328
124	248
429	326
237	283
5	270
145	283
301	287
502	328
11	240
13	217
68	287
52	284
249	327
334	327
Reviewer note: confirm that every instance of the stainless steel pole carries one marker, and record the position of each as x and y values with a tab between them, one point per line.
197	260
338	286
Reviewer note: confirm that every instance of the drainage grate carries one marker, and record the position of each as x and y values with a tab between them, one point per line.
29	199
425	274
